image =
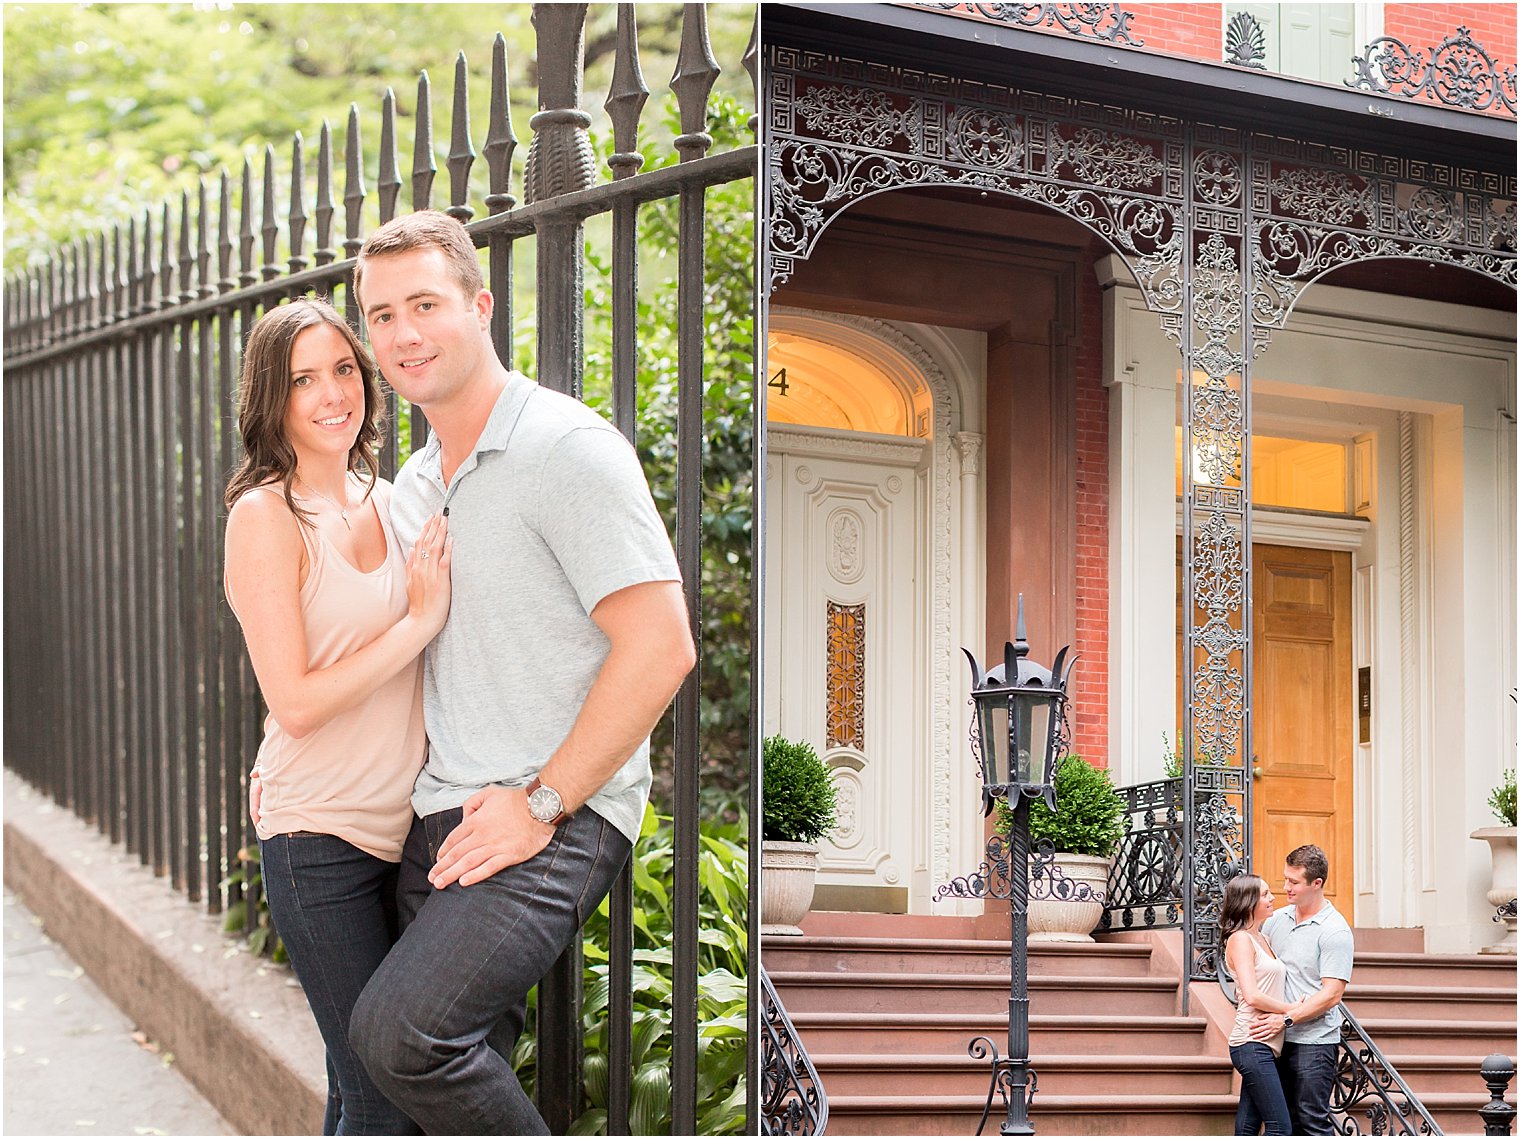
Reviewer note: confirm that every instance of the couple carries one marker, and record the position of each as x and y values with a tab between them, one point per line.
1290	971
424	880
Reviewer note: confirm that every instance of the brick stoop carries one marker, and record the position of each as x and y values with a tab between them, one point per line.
887	1004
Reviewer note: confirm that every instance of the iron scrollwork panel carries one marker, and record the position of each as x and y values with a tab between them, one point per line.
842	130
1145	885
1217	352
1315	208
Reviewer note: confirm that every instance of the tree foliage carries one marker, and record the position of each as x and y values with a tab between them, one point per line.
109	108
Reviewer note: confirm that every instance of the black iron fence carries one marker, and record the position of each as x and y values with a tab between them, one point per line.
128	696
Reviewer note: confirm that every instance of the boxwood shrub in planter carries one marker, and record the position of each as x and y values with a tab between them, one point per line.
1085	829
798	808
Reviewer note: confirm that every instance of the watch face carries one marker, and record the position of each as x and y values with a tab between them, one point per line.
545	804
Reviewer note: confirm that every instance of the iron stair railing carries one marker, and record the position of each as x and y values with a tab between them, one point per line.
792	1099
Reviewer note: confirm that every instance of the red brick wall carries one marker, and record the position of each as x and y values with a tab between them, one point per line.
1193	30
1089	713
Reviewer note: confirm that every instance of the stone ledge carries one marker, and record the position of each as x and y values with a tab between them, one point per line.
242	1035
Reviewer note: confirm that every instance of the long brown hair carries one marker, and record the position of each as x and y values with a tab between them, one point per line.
264	394
1240	899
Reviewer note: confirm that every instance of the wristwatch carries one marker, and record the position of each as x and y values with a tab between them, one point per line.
1287	1022
545	804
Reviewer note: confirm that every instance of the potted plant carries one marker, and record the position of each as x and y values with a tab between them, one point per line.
797	809
1501	845
1084	829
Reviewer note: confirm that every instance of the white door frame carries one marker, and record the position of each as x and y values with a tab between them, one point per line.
952	363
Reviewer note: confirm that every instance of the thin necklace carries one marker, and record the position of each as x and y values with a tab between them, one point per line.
342	510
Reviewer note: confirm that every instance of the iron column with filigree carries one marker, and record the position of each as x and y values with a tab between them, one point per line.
1018	735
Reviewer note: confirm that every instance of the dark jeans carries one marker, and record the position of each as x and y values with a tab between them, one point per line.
1261	1091
1308	1072
335	908
440	1016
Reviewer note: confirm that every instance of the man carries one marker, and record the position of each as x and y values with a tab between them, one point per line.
1314	943
566	639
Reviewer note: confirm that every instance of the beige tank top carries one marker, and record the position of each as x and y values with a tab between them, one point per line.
353	776
1271	975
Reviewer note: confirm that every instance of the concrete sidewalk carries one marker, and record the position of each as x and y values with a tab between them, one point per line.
72	1063
238	1027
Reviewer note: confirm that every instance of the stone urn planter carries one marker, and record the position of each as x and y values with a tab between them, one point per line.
787	871
798	808
1051	919
1501	844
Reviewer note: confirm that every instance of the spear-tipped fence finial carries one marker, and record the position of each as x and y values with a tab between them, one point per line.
501	139
461	149
185	264
271	227
226	282
133	304
246	275
204	287
147	300
626	97
423	166
166	265
353	185
696	71
297	219
390	171
325	210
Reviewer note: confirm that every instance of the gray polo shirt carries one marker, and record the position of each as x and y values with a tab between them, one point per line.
548	516
1310	951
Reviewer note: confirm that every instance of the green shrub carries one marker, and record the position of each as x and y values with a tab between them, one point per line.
722	964
1089	814
797	792
1502	799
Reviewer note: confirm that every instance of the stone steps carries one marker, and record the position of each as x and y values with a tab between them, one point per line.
887	1005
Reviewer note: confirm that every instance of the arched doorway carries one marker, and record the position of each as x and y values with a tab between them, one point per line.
866	530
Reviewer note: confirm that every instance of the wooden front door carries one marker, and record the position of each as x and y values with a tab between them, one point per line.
1304	703
1302	698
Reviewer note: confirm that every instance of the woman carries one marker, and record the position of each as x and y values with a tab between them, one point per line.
335	620
1259	978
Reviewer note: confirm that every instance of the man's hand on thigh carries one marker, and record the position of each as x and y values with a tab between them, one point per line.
497	831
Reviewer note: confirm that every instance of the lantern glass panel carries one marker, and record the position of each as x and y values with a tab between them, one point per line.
994	716
1033	740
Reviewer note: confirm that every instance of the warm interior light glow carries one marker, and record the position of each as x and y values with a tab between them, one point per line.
816	384
1300	474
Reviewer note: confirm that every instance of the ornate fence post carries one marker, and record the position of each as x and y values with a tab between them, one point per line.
559	162
1498	1116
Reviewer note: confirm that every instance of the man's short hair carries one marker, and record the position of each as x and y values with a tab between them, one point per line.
425	229
1311	860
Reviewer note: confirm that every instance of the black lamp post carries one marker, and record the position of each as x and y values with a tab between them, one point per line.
1019	708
